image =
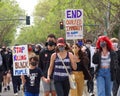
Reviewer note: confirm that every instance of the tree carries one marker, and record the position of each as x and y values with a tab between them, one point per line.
48	14
9	10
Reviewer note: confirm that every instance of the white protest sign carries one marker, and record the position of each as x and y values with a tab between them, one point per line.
20	60
74	23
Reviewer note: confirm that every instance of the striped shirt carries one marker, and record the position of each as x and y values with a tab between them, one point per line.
105	60
59	69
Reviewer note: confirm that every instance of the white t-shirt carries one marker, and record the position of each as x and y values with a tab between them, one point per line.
92	51
1	60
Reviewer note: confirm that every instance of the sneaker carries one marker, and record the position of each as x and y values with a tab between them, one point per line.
8	87
92	94
16	94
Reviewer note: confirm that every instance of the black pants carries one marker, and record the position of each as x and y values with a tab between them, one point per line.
62	87
115	87
1	79
90	83
16	81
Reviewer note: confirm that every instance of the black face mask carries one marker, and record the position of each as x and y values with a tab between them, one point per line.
102	44
50	43
33	63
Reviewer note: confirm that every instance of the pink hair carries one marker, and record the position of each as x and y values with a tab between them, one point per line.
107	40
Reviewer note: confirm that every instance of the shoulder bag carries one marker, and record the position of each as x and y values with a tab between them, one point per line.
71	76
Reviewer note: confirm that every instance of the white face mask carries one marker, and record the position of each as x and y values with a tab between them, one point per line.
115	45
88	45
36	49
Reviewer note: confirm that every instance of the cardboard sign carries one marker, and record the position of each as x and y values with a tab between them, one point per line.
74	23
20	60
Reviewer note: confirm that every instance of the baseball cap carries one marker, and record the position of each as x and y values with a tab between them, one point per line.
61	42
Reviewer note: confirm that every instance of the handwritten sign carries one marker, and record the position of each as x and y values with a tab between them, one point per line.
74	23
20	60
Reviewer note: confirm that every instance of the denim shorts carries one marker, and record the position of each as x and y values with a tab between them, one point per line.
48	87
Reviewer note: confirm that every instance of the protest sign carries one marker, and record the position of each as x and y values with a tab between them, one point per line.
74	23
20	60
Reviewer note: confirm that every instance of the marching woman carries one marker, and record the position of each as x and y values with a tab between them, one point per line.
106	59
56	67
81	72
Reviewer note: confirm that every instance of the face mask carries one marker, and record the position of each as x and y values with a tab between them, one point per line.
30	49
6	52
88	45
61	48
9	50
36	49
102	44
33	63
80	43
115	45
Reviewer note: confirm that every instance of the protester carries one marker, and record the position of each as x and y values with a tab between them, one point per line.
7	63
81	72
116	82
1	72
91	50
16	81
31	82
81	42
37	49
60	75
105	58
30	51
44	62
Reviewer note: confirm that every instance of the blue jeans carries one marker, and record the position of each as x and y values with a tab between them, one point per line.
30	94
62	87
104	82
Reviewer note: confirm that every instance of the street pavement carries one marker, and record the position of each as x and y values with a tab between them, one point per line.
20	93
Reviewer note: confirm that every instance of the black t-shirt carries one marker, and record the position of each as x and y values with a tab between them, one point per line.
118	67
44	60
33	80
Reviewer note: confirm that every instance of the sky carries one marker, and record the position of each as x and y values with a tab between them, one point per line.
27	5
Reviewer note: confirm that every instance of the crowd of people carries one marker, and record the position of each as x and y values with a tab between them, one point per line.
88	63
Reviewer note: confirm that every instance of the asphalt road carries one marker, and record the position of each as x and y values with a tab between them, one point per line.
10	93
20	93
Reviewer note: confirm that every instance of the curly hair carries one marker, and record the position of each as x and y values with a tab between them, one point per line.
107	40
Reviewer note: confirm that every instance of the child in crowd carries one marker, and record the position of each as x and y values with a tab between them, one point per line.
31	82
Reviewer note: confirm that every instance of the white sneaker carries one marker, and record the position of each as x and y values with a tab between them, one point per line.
92	94
16	94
